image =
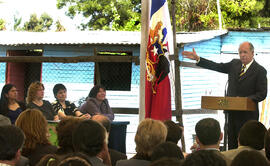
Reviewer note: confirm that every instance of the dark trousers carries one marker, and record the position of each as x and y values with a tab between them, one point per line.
236	119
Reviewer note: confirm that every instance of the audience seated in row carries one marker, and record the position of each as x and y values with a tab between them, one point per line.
114	154
91	138
63	107
251	137
204	158
167	161
9	105
11	142
35	100
249	158
175	132
34	125
150	133
208	137
167	149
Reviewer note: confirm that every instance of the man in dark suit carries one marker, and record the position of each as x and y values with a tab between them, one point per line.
246	78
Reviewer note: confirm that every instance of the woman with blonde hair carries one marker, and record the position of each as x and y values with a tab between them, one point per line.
34	126
34	99
150	133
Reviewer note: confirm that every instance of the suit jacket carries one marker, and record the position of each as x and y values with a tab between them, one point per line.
115	156
95	161
230	154
253	84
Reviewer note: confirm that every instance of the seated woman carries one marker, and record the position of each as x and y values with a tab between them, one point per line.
34	125
34	99
96	103
63	107
9	106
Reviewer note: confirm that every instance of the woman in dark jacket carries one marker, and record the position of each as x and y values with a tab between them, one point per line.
9	106
97	103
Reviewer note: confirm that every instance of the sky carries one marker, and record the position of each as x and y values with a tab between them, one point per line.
24	8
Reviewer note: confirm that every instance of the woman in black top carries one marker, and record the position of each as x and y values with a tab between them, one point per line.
62	107
9	106
34	99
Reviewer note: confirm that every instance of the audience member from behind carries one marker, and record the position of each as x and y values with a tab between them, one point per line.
175	132
6	121
209	135
34	99
251	137
75	159
11	142
150	133
204	158
114	154
64	107
34	125
267	144
167	161
9	106
96	103
249	158
91	138
167	149
64	131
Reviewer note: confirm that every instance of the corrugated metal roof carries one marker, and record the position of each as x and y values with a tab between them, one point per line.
92	37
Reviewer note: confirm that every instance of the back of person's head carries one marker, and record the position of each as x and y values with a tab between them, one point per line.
32	91
75	159
57	88
150	133
64	131
204	158
167	149
267	144
11	141
208	131
34	125
94	91
4	120
104	120
174	131
89	137
249	158
167	161
4	100
252	134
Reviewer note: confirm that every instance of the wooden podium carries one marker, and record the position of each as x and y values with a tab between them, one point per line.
228	104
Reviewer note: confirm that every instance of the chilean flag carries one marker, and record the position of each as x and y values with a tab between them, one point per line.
159	47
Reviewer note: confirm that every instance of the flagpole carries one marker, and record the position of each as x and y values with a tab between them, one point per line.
178	98
144	39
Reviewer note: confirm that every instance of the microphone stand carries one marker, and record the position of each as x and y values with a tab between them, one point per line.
226	123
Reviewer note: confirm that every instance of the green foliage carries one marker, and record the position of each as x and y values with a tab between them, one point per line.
194	15
36	24
17	23
59	27
104	14
2	24
240	13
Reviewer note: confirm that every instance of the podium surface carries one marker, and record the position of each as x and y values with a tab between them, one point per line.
228	103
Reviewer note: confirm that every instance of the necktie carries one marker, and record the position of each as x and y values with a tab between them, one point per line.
242	71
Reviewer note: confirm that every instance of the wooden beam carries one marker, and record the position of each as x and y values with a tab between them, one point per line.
40	59
174	113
